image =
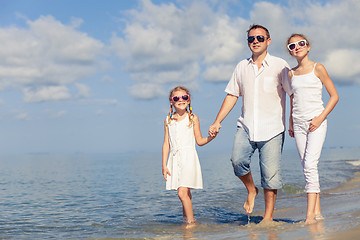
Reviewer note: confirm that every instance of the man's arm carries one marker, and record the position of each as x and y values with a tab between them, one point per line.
228	104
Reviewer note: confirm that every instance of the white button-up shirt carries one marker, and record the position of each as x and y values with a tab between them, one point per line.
263	94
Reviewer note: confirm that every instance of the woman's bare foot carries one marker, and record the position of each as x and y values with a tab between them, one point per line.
310	221
250	201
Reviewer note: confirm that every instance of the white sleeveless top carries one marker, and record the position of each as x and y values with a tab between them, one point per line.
183	162
307	90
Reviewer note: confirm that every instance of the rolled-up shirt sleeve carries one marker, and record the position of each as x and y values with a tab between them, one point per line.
234	85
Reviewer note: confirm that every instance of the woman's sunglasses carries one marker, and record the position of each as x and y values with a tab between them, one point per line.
301	43
260	38
177	98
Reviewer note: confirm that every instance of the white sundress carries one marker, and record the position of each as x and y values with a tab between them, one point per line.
183	162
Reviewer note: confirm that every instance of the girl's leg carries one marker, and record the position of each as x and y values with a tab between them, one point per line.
185	198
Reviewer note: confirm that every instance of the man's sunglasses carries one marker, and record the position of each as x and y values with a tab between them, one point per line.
177	98
301	43
260	38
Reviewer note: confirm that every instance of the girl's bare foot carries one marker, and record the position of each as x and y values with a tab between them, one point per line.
250	201
190	223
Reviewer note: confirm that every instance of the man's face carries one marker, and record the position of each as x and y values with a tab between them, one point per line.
257	47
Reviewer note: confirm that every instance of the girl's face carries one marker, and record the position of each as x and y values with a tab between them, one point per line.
298	47
180	99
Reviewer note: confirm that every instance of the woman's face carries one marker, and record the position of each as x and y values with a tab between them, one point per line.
298	46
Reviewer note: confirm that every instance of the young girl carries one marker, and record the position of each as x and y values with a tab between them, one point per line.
307	121
182	171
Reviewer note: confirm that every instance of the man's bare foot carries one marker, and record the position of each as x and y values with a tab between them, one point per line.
267	222
250	201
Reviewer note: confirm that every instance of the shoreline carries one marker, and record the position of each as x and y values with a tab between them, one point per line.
340	208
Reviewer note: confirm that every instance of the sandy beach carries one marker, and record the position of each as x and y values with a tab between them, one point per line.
340	208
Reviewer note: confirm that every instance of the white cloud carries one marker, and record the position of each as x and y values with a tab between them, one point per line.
21	115
56	114
47	52
339	62
164	45
99	112
146	90
83	90
46	93
107	78
218	73
100	101
161	42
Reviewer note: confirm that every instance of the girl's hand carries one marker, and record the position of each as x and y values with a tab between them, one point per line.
166	172
315	123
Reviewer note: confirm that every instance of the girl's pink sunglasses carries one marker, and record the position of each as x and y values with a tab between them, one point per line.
184	97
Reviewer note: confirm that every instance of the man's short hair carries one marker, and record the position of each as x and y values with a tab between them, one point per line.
255	26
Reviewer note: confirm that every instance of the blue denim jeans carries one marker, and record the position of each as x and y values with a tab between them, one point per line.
269	157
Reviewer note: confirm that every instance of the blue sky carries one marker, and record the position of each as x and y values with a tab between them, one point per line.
93	76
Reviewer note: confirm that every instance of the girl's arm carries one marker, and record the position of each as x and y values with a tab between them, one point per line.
321	73
291	123
198	137
165	152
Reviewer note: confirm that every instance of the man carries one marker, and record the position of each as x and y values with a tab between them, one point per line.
261	81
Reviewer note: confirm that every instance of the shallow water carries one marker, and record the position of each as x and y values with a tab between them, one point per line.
123	196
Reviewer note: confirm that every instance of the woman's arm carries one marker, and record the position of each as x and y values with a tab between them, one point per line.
322	74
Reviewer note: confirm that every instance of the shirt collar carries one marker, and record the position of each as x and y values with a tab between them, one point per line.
266	59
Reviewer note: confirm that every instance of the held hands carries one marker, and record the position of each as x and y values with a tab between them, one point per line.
214	129
165	172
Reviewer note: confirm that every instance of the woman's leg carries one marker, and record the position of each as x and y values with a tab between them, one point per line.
309	145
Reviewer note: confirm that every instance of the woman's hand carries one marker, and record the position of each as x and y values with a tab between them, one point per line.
315	123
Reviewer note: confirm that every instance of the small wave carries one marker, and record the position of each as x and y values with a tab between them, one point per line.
355	163
292	189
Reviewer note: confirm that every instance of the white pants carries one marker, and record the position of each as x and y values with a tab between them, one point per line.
309	145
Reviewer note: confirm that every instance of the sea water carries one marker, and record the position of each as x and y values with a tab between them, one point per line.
120	196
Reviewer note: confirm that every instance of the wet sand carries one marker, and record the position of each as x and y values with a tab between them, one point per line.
341	211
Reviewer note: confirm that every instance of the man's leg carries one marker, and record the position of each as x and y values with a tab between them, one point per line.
252	192
270	159
270	199
242	151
